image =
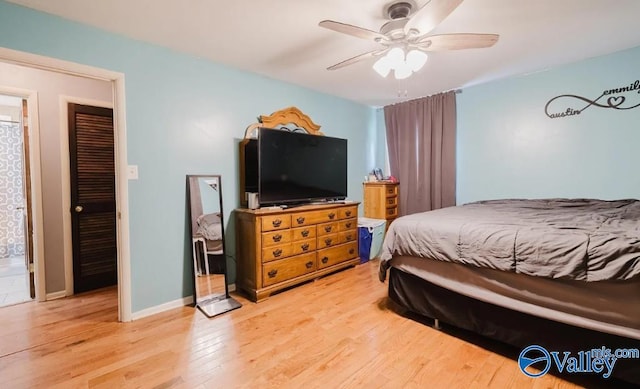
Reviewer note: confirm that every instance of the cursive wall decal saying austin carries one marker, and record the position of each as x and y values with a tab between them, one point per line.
610	98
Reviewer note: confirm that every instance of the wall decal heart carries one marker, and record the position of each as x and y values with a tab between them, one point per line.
615	101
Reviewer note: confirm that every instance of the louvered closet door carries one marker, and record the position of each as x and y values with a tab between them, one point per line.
93	199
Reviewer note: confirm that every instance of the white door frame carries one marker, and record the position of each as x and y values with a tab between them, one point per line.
119	125
36	184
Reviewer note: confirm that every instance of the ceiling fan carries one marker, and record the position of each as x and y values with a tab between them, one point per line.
405	38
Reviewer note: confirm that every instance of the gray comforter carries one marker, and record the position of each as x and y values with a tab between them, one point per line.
580	239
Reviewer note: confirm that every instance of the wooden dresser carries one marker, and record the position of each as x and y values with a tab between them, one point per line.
276	248
381	200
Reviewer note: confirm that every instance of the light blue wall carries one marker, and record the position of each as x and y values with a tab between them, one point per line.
508	147
209	196
184	116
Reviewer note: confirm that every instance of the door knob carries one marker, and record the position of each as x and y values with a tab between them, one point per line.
78	208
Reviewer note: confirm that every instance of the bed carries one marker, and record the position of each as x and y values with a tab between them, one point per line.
207	243
561	273
209	227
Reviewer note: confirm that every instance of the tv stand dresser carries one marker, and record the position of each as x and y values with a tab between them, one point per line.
279	248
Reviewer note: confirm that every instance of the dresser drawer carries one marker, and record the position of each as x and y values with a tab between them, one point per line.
391	201
285	269
303	232
347	236
334	255
276	238
348	224
276	222
391	190
303	246
327	228
313	217
347	212
328	240
391	213
276	252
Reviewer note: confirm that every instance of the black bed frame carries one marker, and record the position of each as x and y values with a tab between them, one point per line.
505	325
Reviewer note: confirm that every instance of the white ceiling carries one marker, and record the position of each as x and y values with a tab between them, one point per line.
281	38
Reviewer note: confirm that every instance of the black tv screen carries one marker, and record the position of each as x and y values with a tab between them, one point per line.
297	168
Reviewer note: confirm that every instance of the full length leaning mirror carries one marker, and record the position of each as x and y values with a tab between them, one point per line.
211	292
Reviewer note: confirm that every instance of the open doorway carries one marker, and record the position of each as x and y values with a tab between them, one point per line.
16	266
54	280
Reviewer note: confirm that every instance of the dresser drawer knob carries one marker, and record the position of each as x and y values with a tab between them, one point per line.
351	251
327	241
277	238
348	225
300	220
305	247
272	273
349	237
332	215
325	259
327	228
348	213
309	265
304	233
276	222
277	253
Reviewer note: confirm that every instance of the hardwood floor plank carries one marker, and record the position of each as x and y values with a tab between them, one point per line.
337	331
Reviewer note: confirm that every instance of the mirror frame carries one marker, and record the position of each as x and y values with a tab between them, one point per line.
217	304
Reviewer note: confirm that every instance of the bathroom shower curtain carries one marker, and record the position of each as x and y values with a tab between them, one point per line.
11	190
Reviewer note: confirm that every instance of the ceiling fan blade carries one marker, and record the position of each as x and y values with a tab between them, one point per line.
348	29
456	41
430	15
358	58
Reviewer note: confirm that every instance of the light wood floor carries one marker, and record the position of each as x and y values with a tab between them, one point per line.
335	332
208	285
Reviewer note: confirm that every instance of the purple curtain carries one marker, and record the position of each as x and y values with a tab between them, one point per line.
421	139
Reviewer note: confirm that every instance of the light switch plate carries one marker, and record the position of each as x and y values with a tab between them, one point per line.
132	172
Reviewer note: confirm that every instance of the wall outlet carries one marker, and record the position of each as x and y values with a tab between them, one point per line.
132	172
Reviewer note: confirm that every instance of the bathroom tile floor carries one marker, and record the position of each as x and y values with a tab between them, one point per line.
13	281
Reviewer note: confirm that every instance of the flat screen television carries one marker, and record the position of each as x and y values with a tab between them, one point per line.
298	168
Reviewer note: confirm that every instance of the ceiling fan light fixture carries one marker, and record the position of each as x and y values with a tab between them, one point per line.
416	59
403	66
382	66
396	57
403	71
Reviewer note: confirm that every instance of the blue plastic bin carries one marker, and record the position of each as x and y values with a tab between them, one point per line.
364	244
370	237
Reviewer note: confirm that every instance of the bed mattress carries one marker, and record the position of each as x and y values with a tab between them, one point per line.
606	306
574	239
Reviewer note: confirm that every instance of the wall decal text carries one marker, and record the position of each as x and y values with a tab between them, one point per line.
610	98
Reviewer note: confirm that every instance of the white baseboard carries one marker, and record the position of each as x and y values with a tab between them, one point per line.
162	307
56	295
